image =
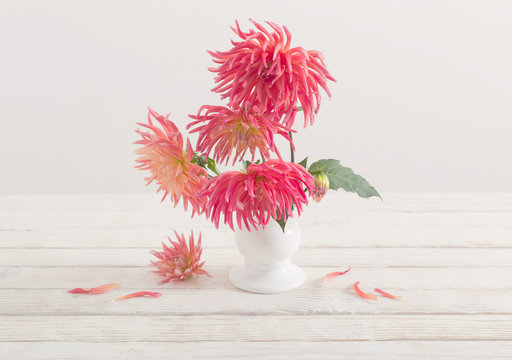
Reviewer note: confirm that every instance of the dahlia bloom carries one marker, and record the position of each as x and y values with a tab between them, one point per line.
263	71
264	191
179	261
170	166
225	130
321	187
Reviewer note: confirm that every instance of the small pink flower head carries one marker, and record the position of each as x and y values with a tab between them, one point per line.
321	186
170	166
180	260
225	130
252	197
263	71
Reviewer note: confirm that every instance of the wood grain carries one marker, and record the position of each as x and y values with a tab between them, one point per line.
329	350
138	277
448	255
417	232
256	328
335	300
358	257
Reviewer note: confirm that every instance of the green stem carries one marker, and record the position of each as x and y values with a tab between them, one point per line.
292	153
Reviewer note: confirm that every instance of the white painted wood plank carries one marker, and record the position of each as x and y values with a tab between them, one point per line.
173	218
255	328
338	300
141	278
363	257
341	221
418	233
142	211
485	201
462	293
346	350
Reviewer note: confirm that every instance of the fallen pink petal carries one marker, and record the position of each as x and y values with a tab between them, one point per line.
363	294
140	294
96	290
386	294
336	273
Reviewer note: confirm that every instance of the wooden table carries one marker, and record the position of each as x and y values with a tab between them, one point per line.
448	255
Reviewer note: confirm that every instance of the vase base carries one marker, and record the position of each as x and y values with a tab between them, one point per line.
266	281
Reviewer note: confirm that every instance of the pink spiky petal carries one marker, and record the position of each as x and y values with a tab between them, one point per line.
140	294
253	197
224	130
179	260
169	163
386	294
363	294
336	273
96	290
262	71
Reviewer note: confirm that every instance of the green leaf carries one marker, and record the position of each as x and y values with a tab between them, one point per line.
199	160
206	163
281	222
304	162
343	177
212	166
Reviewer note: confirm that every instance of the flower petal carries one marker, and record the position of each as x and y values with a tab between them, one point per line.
363	294
261	192
180	259
234	130
96	290
263	73
140	294
386	294
163	155
336	273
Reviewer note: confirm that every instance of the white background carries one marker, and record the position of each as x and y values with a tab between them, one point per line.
422	102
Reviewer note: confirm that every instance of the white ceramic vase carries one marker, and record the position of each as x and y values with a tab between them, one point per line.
267	268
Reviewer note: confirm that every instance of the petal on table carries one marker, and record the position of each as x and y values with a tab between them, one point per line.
363	294
140	294
96	290
386	294
336	273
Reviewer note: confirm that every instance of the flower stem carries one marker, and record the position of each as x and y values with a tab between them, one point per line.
292	153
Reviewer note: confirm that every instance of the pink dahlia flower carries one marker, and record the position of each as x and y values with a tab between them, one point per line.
170	166
263	71
224	130
180	260
254	196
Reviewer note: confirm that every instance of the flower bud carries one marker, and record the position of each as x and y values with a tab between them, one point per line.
321	186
